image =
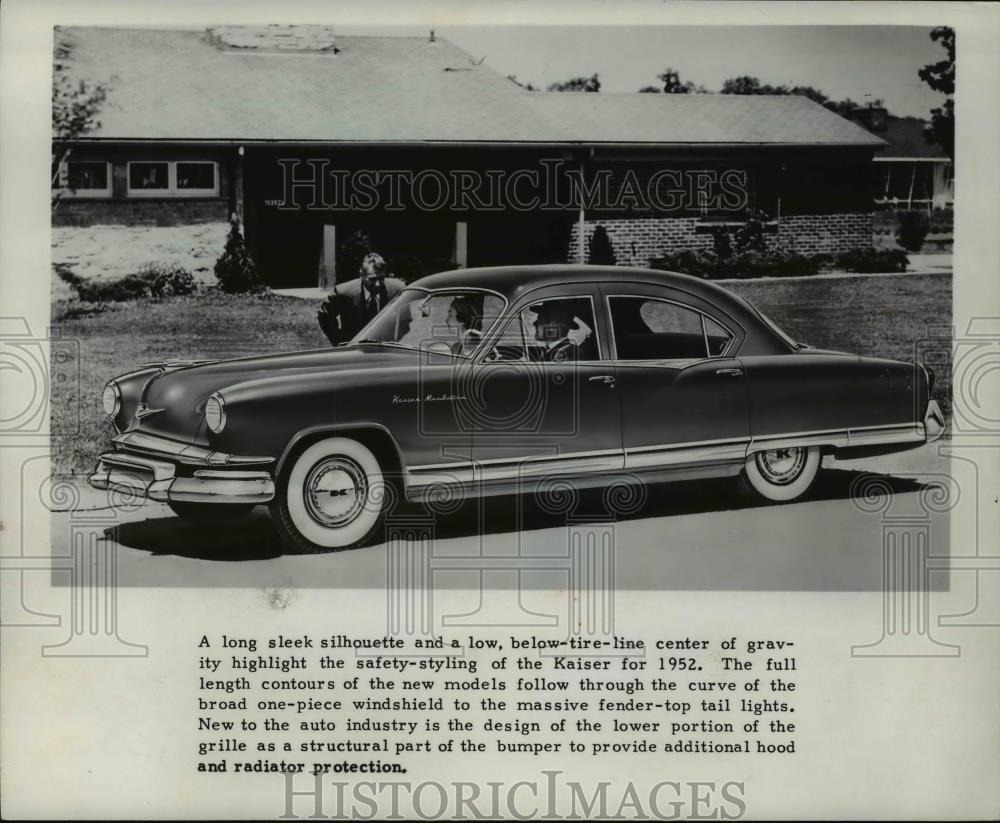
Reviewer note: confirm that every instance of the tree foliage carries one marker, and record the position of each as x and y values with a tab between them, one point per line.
745	84
235	268
592	83
602	250
76	104
940	76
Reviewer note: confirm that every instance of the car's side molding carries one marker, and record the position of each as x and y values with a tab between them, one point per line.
667	456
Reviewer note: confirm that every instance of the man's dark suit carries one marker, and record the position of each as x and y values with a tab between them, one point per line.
351	305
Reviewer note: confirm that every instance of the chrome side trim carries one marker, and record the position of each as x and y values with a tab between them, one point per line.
649	457
503	468
157	480
185	453
842	438
667	456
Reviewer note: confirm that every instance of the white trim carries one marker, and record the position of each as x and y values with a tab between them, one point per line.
912	159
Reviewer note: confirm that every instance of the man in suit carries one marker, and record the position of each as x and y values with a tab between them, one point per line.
560	330
353	304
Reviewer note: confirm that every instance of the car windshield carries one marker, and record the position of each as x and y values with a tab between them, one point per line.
452	320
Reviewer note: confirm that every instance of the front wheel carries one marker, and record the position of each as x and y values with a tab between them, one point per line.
781	475
332	496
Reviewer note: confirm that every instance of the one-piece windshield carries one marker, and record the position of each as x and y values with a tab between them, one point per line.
453	319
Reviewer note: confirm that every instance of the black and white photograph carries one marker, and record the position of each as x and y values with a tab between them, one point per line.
385	273
398	401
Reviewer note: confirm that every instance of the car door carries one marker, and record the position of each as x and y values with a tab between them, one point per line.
545	393
684	396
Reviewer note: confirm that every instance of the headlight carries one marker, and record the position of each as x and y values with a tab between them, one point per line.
215	414
112	399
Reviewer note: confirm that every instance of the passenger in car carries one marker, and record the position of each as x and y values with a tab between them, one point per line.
467	313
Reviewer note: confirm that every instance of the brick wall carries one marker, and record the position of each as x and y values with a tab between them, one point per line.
639	240
825	233
147	212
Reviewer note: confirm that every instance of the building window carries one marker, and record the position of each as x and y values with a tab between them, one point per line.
196	177
173	179
85	178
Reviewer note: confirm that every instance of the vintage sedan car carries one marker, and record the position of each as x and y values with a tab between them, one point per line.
495	381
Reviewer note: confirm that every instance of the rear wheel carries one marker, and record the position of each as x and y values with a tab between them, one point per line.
781	475
208	513
330	497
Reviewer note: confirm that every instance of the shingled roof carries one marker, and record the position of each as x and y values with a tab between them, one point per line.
275	84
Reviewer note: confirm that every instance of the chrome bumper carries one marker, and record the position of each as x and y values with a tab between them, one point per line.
157	480
933	422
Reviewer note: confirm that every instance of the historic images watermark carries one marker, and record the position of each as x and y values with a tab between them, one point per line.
549	796
553	185
913	536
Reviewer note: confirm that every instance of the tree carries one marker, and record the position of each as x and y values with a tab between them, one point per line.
591	83
940	76
649	90
75	106
235	269
672	83
602	250
752	85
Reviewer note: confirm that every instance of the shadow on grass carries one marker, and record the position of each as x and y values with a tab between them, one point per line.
254	538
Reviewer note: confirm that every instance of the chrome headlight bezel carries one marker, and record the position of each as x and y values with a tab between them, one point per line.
112	402
215	413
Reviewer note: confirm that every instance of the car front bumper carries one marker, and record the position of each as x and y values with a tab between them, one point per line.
933	422
149	467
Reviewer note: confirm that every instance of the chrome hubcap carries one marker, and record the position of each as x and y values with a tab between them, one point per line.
781	466
335	491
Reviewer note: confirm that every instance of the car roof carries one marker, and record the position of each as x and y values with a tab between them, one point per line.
513	281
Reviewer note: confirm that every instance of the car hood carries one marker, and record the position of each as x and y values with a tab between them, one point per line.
174	397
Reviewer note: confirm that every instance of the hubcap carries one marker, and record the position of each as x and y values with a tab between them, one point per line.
781	466
335	491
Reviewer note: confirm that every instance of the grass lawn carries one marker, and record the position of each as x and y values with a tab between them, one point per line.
883	316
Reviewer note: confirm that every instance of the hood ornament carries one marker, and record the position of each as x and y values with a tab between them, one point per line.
142	412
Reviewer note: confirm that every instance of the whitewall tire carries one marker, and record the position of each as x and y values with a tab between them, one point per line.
781	475
331	496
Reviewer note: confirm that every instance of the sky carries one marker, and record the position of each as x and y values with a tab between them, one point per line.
861	62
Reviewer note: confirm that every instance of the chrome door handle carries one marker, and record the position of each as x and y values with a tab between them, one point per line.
606	379
729	372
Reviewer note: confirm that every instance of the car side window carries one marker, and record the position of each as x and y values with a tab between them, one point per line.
648	328
552	330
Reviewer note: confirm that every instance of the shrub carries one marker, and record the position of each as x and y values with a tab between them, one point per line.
154	280
708	264
235	268
167	280
872	260
602	250
913	228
